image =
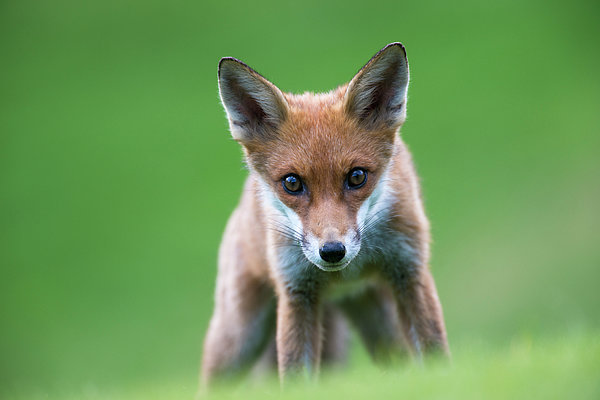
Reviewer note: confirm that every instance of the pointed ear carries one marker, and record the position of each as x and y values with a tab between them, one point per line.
255	107
376	96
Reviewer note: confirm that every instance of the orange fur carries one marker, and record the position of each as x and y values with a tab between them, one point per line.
274	279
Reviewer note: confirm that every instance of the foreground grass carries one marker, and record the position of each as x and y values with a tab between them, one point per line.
563	367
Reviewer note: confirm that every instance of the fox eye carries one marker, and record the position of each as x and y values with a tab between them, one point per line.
356	178
292	184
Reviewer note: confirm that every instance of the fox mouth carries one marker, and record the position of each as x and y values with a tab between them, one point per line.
310	244
332	267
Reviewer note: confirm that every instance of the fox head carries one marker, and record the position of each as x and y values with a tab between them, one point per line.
321	159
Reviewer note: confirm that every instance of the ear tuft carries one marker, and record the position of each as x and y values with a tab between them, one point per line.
376	96
255	107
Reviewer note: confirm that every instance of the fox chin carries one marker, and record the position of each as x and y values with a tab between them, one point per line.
330	230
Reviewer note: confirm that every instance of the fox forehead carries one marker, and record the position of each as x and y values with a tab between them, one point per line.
319	139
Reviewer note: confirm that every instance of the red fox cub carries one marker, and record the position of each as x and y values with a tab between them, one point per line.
330	227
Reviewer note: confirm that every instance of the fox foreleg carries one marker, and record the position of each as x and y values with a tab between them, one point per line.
298	334
419	310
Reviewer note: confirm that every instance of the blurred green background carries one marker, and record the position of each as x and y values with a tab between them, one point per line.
117	172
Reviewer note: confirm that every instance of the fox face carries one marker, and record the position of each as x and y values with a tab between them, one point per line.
321	160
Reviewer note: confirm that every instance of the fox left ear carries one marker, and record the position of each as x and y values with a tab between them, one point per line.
255	107
376	96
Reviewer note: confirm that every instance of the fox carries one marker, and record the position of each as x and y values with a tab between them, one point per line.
330	231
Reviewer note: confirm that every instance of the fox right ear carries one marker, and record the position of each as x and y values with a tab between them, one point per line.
376	96
254	106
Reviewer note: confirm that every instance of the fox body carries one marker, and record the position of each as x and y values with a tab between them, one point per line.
330	227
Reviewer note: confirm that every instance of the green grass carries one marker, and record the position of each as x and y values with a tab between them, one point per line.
565	366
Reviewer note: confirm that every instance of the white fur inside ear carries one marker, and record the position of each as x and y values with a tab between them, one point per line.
253	104
378	93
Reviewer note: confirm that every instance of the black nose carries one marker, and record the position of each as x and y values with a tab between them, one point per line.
332	252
